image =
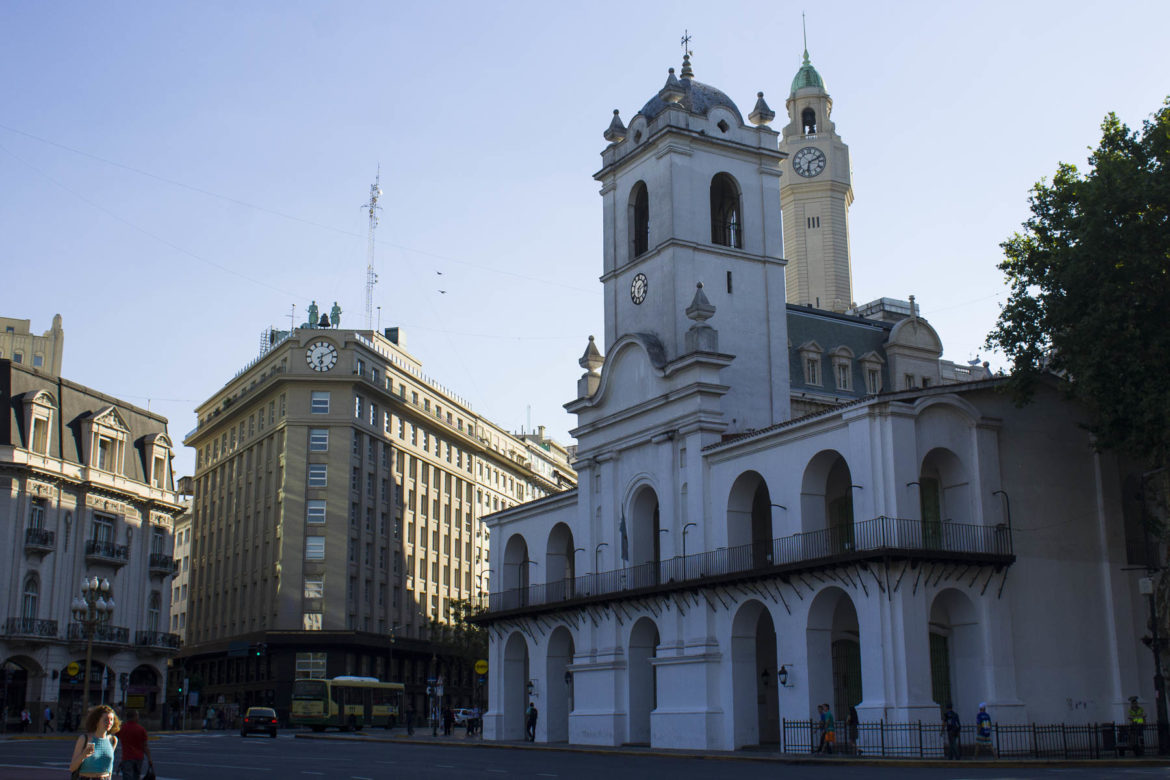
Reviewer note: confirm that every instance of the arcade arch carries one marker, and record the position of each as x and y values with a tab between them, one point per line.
642	679
749	518
515	686
755	698
834	651
559	562
956	655
645	538
559	684
826	500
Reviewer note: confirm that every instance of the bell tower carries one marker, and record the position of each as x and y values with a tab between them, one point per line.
816	191
689	197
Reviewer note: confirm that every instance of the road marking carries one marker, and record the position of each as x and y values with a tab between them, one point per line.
499	771
545	774
445	766
356	777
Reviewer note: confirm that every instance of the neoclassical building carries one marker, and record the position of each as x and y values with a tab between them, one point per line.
86	490
782	504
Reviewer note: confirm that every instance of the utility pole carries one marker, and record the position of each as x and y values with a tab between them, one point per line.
371	277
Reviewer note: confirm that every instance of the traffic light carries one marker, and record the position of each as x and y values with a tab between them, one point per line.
260	649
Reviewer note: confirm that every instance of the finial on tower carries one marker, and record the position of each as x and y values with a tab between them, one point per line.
804	30
686	73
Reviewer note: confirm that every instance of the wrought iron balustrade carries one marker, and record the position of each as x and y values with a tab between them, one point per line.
107	552
118	635
162	563
867	540
39	538
157	639
30	627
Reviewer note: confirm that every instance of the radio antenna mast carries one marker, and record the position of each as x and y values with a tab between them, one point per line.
372	277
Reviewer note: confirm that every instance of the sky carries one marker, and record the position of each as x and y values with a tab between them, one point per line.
176	177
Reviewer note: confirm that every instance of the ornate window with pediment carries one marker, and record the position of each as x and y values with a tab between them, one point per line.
810	358
38	421
843	367
104	438
156	453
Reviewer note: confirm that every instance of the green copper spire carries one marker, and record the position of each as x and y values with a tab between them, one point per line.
807	76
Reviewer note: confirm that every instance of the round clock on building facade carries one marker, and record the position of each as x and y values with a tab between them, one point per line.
638	289
321	356
808	162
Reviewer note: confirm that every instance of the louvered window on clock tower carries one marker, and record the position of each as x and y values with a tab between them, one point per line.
640	218
726	219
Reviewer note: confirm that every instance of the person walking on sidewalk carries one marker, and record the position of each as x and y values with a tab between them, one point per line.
134	747
47	726
952	727
530	717
409	720
1137	724
983	731
25	720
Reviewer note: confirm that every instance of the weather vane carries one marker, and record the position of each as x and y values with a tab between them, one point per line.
686	40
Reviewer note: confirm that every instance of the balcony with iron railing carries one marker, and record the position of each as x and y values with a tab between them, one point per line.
112	635
97	551
157	639
39	540
163	565
882	538
30	628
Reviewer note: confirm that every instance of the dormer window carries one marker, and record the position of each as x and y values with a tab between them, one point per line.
810	358
105	440
843	367
808	121
38	420
726	212
156	452
639	219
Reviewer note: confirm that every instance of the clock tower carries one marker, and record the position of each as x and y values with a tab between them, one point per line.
816	190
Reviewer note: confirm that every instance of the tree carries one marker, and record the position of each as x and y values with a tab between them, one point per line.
1090	289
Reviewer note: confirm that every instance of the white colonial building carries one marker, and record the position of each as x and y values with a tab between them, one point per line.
907	537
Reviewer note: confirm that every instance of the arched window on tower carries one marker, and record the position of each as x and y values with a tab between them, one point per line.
808	121
726	220
639	219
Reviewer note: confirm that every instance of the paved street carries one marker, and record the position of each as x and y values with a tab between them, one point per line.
224	755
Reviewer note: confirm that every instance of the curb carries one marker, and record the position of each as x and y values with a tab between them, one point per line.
774	758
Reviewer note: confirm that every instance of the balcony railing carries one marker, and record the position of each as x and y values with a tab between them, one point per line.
163	564
107	552
157	639
30	627
39	540
881	537
117	635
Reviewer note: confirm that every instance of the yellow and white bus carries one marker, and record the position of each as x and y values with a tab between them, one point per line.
349	703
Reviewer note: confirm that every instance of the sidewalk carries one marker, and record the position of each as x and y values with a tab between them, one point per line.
768	755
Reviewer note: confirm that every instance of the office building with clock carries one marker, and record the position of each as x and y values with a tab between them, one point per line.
335	523
785	499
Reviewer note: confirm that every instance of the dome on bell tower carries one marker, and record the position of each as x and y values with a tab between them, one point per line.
807	76
685	92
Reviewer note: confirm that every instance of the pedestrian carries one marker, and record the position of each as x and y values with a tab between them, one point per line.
221	718
25	720
530	717
448	721
47	726
952	727
93	753
829	728
983	731
67	722
134	748
851	730
471	716
1137	724
410	720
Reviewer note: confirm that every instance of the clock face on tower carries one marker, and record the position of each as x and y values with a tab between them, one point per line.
808	162
638	289
321	356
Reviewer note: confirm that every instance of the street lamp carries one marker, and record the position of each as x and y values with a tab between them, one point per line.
92	609
684	536
597	552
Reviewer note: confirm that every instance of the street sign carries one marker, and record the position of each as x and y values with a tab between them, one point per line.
481	666
432	680
73	669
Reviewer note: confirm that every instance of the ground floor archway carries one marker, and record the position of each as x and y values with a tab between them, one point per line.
559	702
514	692
755	699
643	681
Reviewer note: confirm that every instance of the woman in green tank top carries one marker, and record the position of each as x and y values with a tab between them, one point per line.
93	755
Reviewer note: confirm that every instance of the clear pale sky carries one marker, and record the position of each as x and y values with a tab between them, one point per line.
175	176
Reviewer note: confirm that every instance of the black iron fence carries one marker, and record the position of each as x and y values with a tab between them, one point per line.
19	626
881	536
39	537
161	562
157	639
119	635
107	551
1008	740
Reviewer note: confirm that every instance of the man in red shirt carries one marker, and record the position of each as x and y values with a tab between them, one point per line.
132	737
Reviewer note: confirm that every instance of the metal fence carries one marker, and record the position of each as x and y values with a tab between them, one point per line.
869	538
1009	740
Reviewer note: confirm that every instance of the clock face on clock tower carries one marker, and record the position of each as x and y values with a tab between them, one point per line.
808	162
638	289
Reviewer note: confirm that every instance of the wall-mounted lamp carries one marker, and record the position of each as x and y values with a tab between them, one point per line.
531	688
782	675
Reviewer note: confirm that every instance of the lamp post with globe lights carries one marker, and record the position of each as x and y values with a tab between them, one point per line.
92	609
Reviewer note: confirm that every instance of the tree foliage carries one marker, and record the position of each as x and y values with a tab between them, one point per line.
1090	288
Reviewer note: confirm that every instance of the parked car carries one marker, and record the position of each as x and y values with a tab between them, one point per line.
462	714
261	719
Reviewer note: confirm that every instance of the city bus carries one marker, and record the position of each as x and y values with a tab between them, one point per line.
349	703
